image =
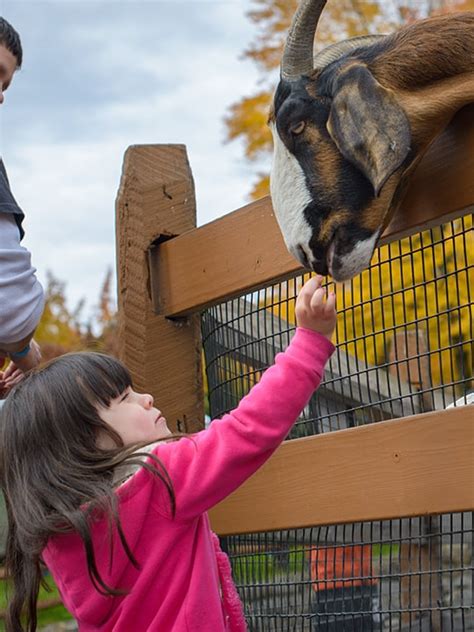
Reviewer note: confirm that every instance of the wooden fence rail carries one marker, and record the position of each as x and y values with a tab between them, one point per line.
393	469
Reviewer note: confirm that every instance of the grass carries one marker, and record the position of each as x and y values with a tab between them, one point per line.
259	567
53	614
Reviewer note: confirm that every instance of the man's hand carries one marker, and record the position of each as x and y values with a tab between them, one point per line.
17	368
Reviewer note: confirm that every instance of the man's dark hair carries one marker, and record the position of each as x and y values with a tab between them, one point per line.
11	40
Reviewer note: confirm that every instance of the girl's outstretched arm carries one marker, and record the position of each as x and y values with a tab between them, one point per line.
210	465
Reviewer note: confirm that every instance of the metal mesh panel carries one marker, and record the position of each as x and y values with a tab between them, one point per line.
404	346
408	574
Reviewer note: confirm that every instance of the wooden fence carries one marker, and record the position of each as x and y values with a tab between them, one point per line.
168	271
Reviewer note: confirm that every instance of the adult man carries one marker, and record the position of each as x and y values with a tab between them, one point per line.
21	295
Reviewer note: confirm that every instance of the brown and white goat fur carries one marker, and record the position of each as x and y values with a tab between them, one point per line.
350	125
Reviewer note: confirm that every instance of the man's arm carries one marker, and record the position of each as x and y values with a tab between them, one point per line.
13	348
21	300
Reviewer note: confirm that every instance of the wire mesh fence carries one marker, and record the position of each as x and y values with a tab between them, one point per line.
404	346
407	574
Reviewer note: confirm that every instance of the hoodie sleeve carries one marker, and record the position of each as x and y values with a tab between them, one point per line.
21	294
208	466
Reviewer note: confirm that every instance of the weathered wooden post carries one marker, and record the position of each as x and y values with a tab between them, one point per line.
156	202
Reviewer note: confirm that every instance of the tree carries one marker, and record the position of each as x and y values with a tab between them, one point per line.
104	322
59	330
62	330
437	268
421	284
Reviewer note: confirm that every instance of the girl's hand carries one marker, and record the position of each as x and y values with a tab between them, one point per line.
314	310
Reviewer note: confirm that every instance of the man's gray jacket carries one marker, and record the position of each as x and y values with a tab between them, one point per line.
21	294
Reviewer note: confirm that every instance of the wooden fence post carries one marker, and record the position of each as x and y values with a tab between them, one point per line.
156	202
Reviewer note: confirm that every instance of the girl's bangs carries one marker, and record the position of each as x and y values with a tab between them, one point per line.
103	378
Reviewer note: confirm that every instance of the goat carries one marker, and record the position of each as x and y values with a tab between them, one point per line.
351	124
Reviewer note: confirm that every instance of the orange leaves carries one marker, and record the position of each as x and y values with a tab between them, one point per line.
62	330
451	6
261	187
419	286
248	118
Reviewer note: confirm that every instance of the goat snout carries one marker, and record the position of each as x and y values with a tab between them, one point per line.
347	257
343	257
310	258
319	265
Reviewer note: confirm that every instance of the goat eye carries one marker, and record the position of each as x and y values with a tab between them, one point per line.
297	128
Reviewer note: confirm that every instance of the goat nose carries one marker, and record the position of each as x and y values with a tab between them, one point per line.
320	267
319	264
302	256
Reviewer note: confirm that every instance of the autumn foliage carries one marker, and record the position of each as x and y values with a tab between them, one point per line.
63	329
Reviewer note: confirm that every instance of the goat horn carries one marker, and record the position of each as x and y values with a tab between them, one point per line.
336	51
297	57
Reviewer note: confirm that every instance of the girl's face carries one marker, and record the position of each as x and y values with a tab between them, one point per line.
133	416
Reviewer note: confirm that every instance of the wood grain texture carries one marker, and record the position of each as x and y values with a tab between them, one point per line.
392	469
244	250
155	200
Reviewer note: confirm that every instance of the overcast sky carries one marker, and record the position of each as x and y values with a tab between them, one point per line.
101	75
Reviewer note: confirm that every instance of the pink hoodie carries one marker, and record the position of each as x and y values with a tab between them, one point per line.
182	584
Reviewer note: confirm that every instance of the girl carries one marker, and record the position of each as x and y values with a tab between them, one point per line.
125	534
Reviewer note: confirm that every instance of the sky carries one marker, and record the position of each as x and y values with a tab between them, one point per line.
98	76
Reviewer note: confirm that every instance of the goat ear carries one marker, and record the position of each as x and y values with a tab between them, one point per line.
367	124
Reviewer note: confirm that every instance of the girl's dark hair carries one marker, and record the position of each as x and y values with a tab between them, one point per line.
54	475
11	40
